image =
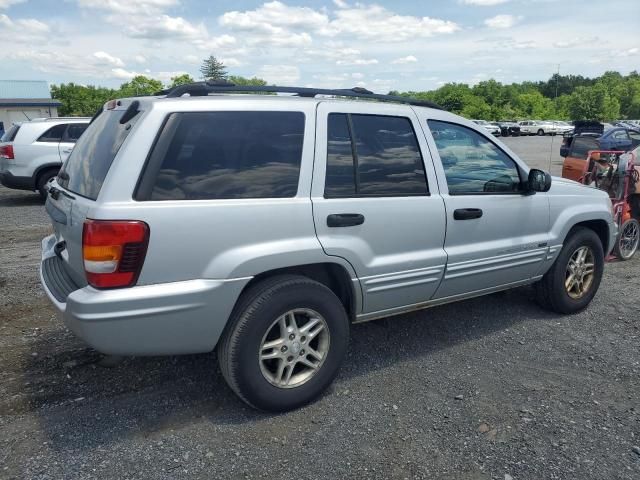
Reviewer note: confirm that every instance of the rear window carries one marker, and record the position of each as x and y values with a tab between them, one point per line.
10	134
90	160
581	146
225	155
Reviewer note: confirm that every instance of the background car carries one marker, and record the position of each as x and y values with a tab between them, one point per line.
508	128
489	127
31	153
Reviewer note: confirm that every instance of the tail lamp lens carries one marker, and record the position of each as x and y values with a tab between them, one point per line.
114	252
6	151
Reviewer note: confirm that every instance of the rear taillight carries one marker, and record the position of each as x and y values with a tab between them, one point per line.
6	151
114	251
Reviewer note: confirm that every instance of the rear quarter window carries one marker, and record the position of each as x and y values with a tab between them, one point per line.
10	134
225	155
89	162
581	146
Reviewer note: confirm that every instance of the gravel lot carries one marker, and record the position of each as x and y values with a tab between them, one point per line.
491	388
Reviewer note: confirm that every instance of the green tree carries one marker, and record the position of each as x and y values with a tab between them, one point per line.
80	100
242	81
183	79
213	69
140	86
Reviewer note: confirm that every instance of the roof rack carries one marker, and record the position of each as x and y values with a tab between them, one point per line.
202	89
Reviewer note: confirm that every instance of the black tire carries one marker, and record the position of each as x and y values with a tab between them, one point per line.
550	290
43	179
540	132
254	315
627	253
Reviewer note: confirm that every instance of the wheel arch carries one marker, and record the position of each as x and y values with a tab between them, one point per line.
332	275
42	169
600	227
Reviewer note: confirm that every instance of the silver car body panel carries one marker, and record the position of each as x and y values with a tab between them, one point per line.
409	253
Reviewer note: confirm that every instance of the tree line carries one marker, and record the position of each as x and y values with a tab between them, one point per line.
84	100
611	96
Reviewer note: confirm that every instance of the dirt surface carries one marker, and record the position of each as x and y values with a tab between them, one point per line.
492	388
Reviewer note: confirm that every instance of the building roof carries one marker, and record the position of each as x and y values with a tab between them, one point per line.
14	89
29	102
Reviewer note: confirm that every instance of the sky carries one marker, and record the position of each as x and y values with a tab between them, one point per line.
383	45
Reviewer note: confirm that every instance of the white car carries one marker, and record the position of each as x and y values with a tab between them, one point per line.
543	127
489	127
32	152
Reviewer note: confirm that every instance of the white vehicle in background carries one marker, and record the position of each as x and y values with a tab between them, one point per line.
544	127
489	127
31	153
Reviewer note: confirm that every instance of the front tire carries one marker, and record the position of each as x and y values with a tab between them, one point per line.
541	133
574	278
628	238
284	344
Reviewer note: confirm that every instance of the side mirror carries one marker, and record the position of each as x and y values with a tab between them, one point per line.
564	151
538	181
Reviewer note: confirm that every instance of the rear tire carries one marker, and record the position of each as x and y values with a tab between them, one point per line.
553	292
43	179
540	133
628	238
257	321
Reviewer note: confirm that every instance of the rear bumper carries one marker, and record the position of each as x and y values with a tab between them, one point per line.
162	319
18	183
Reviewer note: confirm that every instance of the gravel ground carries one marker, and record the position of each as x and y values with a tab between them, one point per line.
491	388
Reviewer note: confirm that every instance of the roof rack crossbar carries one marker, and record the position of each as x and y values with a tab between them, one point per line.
201	89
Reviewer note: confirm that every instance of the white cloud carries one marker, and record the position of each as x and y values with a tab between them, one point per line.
358	61
575	42
192	59
484	3
231	62
24	30
340	4
123	74
502	21
407	59
104	57
626	53
376	23
279	74
7	3
140	59
129	7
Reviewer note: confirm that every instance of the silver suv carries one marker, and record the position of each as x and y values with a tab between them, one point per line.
263	226
32	152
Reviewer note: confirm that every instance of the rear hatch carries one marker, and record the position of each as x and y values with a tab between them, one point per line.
75	191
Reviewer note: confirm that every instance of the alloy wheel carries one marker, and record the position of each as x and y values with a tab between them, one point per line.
294	348
580	273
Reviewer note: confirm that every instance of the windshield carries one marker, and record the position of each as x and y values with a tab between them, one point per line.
90	160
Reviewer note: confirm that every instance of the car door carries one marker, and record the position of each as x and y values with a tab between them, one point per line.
71	135
496	235
376	202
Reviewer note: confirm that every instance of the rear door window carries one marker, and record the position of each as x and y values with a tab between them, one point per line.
74	130
373	155
90	160
225	155
53	134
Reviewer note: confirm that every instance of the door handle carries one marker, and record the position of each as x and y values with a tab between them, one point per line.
66	150
467	213
345	219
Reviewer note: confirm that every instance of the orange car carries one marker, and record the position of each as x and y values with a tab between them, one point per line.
575	164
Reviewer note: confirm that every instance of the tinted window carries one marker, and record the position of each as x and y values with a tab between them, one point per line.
215	155
580	146
473	164
340	179
90	160
74	131
387	160
620	135
54	134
